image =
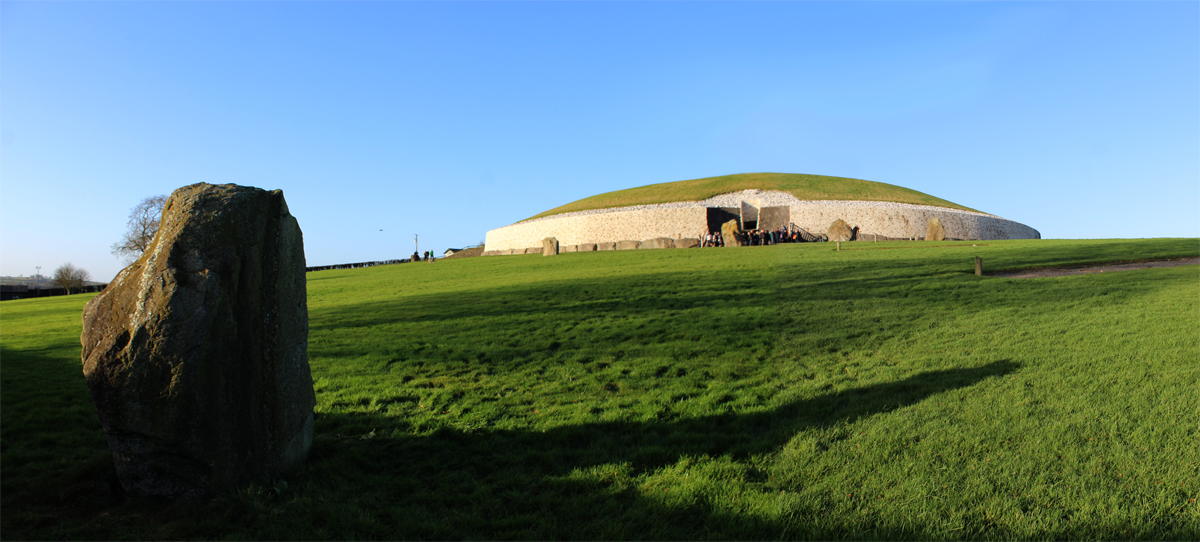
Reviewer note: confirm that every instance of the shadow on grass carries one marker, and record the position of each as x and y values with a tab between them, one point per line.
490	484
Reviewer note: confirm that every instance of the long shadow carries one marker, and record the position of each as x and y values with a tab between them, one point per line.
455	480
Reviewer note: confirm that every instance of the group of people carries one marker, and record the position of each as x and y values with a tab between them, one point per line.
426	257
755	237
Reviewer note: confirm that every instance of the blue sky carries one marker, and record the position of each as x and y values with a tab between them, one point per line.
449	119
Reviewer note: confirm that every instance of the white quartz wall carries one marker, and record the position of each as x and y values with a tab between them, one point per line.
610	227
905	220
689	219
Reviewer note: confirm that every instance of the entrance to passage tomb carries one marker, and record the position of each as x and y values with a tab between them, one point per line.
721	215
749	215
774	218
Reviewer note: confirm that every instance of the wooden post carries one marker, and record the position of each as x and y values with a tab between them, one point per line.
979	266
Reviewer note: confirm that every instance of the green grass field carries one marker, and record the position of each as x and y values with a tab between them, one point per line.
806	187
782	392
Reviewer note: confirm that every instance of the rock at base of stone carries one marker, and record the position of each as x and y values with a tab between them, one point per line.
627	245
606	246
658	242
568	248
840	231
196	355
549	246
585	247
687	242
533	250
934	230
731	234
493	252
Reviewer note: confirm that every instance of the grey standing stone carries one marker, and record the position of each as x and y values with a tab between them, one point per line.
549	246
196	356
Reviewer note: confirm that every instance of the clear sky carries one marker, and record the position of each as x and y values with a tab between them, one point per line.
449	119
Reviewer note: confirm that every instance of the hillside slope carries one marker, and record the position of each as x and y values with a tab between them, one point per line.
807	187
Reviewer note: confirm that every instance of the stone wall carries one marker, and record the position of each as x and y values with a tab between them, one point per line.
905	221
690	220
611	227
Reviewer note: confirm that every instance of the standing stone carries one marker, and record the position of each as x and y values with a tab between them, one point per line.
549	246
731	233
934	230
840	231
196	356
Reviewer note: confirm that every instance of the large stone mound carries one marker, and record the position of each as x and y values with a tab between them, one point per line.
196	355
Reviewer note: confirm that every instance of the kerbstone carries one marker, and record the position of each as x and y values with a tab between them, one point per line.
658	242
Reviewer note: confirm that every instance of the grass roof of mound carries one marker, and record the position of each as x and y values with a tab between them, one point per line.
805	187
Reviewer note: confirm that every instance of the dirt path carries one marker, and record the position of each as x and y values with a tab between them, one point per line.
1097	268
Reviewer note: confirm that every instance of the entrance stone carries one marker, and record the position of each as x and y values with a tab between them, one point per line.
731	234
658	242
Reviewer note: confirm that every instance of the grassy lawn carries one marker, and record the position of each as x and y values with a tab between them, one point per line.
883	391
806	187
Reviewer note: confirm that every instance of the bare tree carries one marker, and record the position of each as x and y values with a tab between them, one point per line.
69	277
143	224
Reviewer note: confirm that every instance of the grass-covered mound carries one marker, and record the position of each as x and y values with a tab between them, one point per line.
806	187
783	392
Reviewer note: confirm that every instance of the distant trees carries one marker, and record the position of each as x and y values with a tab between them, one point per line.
143	224
70	278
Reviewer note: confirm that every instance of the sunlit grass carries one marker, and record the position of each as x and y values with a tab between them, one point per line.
760	392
